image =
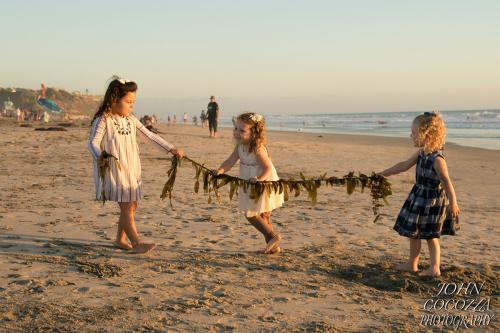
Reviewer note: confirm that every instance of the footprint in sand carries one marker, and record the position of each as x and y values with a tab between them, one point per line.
282	299
83	290
102	234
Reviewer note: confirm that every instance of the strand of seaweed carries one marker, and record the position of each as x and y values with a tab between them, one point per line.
105	168
378	185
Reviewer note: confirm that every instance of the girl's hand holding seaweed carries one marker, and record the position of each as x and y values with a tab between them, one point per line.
177	152
253	180
100	161
216	172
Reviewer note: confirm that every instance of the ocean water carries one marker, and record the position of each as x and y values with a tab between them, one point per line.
476	128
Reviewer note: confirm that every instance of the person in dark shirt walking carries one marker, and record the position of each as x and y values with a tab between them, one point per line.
213	116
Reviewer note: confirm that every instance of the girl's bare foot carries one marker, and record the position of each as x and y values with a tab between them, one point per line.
122	245
143	248
273	243
406	267
430	272
276	250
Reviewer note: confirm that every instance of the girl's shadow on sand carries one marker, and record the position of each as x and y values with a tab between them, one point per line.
378	276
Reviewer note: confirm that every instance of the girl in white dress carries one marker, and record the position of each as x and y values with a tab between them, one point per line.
114	131
255	165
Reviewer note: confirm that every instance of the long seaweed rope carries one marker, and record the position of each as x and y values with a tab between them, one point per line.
379	186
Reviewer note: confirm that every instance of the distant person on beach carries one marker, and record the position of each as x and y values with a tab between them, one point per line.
255	166
46	117
113	135
431	209
148	123
43	92
203	117
213	116
195	121
47	103
185	118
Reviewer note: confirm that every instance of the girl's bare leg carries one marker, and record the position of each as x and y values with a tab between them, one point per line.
127	222
412	264
121	239
267	218
262	223
435	254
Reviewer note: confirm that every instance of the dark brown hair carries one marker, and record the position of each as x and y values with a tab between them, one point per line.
117	89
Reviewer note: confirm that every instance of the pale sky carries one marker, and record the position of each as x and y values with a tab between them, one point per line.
273	57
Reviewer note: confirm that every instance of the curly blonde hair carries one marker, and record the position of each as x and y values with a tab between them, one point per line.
431	131
258	128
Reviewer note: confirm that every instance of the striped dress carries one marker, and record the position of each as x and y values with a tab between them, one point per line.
424	213
117	135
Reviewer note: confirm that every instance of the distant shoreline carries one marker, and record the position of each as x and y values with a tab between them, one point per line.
400	139
473	128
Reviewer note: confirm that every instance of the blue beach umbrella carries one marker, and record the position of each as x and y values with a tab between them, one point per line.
49	105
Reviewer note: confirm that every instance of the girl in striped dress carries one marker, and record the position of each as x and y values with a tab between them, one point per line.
431	209
114	131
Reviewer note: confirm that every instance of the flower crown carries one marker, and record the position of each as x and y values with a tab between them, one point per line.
256	117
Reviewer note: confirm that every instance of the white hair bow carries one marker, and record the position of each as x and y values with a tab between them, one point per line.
123	81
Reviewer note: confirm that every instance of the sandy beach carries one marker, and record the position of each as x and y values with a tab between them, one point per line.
60	272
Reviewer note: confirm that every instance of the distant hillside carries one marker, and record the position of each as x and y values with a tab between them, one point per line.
73	104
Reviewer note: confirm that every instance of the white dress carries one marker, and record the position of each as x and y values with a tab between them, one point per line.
116	135
249	168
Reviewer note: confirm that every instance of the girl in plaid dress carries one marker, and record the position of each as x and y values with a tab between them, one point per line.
431	209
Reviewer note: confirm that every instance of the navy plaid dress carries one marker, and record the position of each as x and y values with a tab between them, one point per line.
424	214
